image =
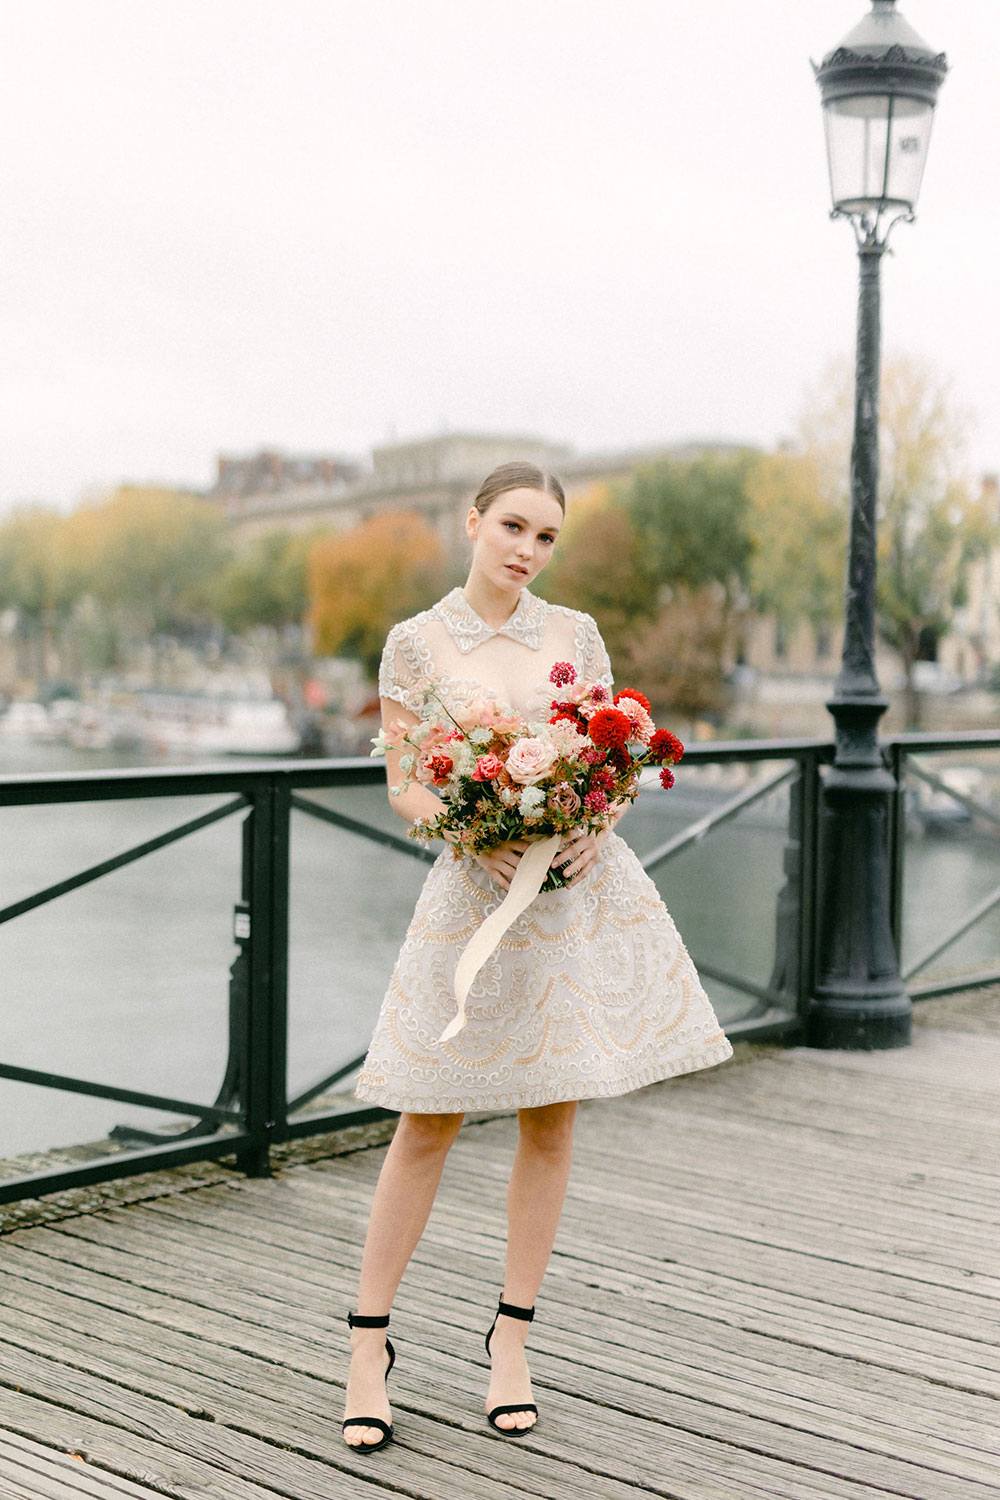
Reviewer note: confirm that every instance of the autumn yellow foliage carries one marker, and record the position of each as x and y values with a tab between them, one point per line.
361	582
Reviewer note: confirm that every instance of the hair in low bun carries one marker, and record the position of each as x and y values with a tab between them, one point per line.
518	476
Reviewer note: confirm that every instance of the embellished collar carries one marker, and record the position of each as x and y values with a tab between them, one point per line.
468	630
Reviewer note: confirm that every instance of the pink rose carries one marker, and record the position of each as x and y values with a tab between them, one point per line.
564	799
488	768
531	760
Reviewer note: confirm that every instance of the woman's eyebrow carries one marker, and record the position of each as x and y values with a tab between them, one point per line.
513	516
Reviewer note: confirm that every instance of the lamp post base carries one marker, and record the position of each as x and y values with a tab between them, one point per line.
859	1001
860	1024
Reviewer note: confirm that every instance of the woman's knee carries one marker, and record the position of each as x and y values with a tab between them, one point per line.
427	1135
549	1128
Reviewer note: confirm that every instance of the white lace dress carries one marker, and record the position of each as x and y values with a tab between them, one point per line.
591	992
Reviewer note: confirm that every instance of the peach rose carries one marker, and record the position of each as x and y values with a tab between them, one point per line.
531	760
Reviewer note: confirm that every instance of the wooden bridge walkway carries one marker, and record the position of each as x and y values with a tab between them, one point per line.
780	1279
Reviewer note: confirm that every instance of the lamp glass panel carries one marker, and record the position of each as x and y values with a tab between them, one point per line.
876	148
910	136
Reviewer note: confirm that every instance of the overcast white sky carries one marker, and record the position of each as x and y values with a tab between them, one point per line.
322	223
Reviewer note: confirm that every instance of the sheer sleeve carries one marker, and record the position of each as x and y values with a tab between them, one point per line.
402	668
596	662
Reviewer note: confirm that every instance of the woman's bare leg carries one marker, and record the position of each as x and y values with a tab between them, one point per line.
534	1204
404	1196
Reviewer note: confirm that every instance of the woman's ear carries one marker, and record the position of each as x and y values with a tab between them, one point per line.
472	524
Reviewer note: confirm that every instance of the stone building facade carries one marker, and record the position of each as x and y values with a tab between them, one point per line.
435	476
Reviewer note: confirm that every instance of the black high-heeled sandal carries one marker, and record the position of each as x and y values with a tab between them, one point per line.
525	1315
356	1320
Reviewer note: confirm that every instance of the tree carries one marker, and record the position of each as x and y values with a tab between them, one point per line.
40	573
599	567
40	579
362	581
692	520
931	526
798	532
679	658
150	556
264	582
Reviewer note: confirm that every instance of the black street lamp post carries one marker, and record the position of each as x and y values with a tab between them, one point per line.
879	88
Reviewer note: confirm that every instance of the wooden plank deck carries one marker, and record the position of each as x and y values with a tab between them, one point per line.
780	1279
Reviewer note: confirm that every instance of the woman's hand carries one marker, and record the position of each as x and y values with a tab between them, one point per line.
501	862
578	854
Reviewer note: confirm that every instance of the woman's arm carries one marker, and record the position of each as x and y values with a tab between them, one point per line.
416	801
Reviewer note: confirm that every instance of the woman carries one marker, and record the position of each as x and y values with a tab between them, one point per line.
591	993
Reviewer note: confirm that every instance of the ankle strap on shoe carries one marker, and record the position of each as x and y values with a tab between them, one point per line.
525	1314
358	1320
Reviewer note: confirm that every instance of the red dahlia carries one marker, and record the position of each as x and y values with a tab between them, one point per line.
562	674
666	778
640	698
665	746
609	728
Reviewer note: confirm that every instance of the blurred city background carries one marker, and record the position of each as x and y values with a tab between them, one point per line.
282	283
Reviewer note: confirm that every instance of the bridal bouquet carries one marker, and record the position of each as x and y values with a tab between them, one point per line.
503	777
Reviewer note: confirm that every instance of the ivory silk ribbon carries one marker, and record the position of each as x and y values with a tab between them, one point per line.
528	878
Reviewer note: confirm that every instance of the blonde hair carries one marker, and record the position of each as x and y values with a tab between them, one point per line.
517	476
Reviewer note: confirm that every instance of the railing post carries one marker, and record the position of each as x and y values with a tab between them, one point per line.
794	947
785	975
278	921
232	1088
809	813
266	1045
897	843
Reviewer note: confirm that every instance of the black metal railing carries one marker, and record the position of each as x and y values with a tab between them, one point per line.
252	1110
907	755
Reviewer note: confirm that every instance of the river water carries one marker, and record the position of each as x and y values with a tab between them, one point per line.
125	981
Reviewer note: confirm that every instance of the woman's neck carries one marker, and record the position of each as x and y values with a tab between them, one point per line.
491	604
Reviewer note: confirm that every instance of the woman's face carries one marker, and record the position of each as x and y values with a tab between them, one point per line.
514	539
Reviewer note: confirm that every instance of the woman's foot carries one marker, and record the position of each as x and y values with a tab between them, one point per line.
366	1395
510	1382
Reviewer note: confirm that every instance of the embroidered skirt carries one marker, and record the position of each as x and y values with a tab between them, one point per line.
591	993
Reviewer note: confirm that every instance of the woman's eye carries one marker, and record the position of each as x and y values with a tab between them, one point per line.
546	538
512	526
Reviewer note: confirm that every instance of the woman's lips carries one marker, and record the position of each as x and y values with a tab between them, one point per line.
516	568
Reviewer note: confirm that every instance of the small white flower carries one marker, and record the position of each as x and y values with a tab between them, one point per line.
530	800
379	743
481	735
464	761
